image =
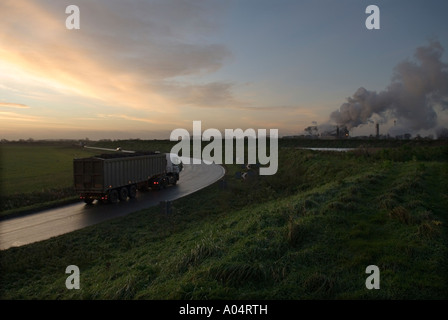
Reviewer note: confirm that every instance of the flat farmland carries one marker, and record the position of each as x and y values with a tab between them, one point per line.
37	174
34	167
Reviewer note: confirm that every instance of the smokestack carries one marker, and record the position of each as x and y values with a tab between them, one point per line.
337	132
417	92
377	130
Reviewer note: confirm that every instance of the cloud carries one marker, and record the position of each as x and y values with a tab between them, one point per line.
133	118
14	116
13	105
123	53
208	95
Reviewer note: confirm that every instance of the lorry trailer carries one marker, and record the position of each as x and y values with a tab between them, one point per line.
117	176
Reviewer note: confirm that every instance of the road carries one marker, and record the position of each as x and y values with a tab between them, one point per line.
54	222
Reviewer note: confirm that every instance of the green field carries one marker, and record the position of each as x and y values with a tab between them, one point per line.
37	174
37	167
308	232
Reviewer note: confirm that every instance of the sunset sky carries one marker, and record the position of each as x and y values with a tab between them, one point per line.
140	69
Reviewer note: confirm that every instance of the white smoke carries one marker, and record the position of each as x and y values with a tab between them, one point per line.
417	92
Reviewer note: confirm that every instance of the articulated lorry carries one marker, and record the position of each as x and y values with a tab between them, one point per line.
117	176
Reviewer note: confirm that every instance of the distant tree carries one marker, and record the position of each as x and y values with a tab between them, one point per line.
312	130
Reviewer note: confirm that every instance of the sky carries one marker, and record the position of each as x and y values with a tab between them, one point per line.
141	69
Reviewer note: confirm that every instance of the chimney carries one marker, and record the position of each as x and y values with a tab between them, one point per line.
377	130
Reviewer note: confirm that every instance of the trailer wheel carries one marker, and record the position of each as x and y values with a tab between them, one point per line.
113	196
132	192
123	194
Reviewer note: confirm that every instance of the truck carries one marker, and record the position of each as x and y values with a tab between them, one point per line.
116	177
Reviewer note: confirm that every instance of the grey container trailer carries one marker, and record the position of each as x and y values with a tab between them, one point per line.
114	177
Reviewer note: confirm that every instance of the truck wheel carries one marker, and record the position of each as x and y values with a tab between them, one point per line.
123	194
88	201
113	196
132	192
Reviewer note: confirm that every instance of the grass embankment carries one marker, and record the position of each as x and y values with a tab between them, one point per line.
308	232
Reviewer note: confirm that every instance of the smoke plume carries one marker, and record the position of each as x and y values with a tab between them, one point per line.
416	92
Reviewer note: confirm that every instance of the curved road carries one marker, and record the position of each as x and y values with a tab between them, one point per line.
43	225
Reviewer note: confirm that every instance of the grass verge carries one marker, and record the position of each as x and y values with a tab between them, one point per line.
308	232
